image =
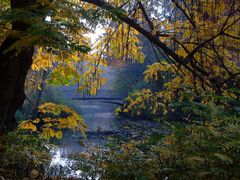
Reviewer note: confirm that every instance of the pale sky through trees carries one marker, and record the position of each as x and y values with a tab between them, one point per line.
97	33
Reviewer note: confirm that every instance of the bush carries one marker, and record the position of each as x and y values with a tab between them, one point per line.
207	147
22	155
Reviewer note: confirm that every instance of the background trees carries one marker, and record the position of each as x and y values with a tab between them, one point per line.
193	76
189	36
200	52
25	28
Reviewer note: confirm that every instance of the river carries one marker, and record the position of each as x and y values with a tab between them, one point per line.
100	119
102	123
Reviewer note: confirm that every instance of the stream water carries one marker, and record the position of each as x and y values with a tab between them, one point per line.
102	123
99	117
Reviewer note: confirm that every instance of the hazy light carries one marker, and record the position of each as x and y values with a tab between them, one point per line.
96	34
48	19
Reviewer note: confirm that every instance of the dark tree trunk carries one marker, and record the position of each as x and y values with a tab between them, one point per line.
13	71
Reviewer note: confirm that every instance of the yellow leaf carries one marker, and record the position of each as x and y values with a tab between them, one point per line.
59	134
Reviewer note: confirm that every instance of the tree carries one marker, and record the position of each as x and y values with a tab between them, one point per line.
201	53
29	31
194	34
13	70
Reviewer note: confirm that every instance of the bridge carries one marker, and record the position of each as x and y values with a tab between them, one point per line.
103	95
110	100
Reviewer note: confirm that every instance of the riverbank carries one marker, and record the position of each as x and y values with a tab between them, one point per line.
102	126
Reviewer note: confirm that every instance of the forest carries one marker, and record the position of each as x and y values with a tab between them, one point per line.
119	89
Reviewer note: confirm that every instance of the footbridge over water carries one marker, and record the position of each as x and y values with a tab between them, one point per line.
103	95
110	100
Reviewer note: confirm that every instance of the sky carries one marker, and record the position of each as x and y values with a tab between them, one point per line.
96	34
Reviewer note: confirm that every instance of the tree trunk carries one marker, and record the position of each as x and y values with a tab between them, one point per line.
13	71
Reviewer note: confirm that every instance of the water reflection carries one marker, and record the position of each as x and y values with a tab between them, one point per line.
99	116
58	158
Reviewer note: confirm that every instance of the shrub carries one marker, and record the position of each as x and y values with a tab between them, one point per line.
21	154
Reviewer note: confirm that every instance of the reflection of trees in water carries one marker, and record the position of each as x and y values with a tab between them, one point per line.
99	116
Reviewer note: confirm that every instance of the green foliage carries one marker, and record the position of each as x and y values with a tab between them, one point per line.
21	153
58	34
207	149
63	75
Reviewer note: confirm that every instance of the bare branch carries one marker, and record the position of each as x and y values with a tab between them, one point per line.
185	13
146	15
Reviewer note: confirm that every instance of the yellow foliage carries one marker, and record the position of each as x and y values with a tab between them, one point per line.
121	42
28	125
43	60
53	119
